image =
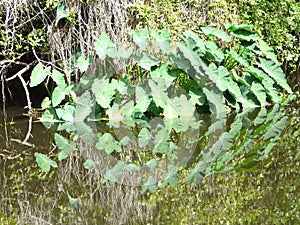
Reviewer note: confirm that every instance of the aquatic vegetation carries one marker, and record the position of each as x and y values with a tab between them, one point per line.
153	111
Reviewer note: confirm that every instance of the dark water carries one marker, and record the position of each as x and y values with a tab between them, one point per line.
71	194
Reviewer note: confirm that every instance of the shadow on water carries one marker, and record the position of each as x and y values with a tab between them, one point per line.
92	186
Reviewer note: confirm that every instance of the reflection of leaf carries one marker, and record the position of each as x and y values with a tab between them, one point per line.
84	106
89	164
44	162
171	177
85	133
150	186
275	129
113	174
108	143
64	145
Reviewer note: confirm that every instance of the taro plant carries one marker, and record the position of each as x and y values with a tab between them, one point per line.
151	109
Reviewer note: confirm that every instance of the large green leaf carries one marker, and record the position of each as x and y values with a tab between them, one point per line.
83	63
58	95
104	47
234	27
145	61
216	101
245	35
44	162
158	92
238	58
259	92
58	78
140	38
162	40
84	106
214	52
268	51
220	76
142	99
66	113
61	12
198	41
39	74
104	91
214	32
275	72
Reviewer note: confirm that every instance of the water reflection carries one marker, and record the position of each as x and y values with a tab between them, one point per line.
72	194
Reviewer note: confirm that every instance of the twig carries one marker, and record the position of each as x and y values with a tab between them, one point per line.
19	75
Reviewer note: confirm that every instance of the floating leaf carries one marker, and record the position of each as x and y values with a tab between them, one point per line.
38	74
44	162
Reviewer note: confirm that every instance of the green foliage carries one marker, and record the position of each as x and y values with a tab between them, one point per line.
153	109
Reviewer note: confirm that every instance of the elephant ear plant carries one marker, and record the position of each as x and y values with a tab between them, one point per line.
173	82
